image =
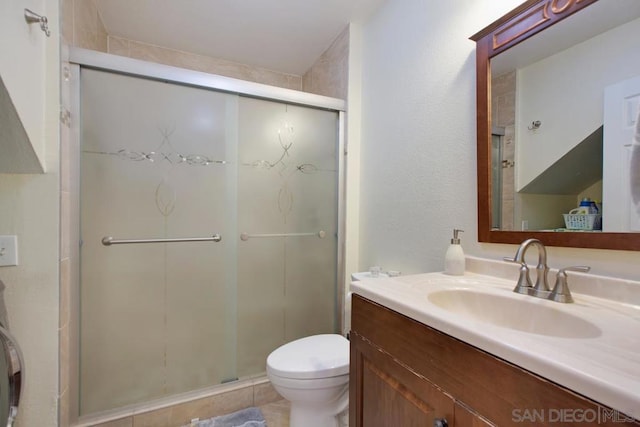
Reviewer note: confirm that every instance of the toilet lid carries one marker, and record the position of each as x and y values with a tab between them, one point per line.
317	356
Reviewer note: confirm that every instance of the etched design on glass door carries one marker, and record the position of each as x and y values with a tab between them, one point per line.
166	197
165	193
286	138
164	152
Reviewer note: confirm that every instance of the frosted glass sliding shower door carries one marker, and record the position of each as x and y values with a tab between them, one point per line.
287	200
157	161
161	161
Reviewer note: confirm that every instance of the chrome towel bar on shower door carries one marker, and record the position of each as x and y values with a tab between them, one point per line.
246	236
108	241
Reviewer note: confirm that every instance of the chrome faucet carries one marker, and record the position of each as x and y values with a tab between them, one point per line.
524	286
541	289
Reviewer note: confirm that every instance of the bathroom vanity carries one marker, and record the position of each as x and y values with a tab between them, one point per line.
414	363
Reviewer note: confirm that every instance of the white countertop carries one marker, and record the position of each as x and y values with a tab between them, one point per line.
605	368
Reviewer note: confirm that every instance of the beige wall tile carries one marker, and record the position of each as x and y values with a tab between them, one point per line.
206	64
204	408
264	393
152	53
185	412
182	413
232	401
63	410
157	418
101	31
102	42
66	17
85	15
64	364
118	46
124	422
65	224
63	336
503	111
64	157
503	98
276	414
65	290
330	73
509	147
307	80
88	30
85	39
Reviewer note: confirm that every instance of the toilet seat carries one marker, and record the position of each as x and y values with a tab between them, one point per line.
317	356
309	383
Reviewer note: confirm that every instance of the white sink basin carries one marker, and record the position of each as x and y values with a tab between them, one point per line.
526	314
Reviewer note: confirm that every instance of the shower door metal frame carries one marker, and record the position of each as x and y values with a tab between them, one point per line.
135	67
83	58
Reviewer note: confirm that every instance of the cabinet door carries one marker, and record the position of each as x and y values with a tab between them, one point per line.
465	417
387	393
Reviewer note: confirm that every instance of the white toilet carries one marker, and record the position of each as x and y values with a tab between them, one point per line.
313	374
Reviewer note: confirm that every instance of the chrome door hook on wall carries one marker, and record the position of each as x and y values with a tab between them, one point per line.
32	17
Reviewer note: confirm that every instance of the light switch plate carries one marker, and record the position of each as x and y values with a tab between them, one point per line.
8	250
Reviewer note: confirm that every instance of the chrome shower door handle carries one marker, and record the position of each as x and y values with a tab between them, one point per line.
108	240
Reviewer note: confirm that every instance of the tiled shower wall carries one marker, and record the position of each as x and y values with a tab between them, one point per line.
503	108
81	26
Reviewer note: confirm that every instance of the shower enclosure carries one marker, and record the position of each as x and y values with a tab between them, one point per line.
209	223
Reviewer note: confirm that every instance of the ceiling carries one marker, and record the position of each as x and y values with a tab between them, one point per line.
596	19
279	35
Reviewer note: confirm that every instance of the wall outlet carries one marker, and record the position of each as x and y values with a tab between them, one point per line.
8	250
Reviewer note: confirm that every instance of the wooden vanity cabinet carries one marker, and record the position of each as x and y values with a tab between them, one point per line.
404	373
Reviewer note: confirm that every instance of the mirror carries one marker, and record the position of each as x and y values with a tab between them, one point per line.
542	126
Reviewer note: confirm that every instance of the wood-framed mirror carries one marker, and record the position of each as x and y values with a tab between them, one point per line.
528	111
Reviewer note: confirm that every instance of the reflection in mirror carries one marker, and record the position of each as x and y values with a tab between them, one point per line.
499	167
562	95
550	96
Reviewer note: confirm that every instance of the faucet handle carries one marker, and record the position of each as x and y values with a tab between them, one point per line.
524	285
560	292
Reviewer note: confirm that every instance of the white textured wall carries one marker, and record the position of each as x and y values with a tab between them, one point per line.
29	208
418	170
23	48
579	112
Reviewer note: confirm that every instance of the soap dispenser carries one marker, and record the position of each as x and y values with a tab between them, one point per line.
454	258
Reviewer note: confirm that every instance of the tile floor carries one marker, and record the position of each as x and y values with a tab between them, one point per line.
276	414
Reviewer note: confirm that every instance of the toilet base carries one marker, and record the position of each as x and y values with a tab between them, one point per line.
310	415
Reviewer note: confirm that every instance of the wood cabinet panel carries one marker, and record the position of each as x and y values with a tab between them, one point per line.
483	385
391	394
468	418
